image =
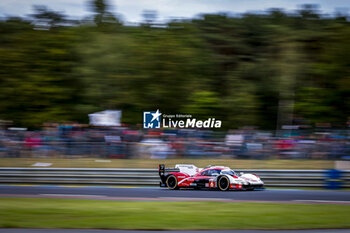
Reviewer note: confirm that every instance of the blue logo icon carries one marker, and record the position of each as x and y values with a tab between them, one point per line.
151	120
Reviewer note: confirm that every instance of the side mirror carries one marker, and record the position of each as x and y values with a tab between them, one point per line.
241	173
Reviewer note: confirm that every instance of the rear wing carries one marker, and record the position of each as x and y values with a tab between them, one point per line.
162	170
190	169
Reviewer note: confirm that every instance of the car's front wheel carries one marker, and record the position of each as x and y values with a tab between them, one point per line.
223	183
171	182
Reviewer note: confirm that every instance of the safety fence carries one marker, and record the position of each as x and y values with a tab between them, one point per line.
149	177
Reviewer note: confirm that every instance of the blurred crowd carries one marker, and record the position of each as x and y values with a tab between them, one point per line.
69	141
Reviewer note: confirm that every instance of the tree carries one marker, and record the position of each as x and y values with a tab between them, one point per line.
255	69
103	17
47	19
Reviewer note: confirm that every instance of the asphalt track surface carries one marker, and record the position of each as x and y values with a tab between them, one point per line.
163	194
8	230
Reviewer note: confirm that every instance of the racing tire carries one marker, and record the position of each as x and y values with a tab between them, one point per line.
223	183
171	182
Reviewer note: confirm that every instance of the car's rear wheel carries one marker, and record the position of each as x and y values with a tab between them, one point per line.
171	182
223	183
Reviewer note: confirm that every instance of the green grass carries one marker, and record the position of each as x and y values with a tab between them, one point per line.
63	213
153	163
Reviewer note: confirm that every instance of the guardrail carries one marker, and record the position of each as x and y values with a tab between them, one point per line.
100	176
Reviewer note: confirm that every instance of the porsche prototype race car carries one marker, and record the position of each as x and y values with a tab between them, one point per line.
210	177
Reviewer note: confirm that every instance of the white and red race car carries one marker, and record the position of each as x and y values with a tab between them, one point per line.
210	177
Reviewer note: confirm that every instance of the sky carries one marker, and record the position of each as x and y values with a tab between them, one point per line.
131	10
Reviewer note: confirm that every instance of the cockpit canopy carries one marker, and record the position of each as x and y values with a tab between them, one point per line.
217	171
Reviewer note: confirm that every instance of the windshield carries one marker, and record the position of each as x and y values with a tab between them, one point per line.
228	172
211	172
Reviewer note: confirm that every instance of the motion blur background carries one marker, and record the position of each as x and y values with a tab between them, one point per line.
279	80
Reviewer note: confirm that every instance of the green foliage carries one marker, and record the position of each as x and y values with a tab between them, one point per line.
315	104
240	70
202	104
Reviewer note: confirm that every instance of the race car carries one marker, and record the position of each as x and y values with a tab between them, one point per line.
210	177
